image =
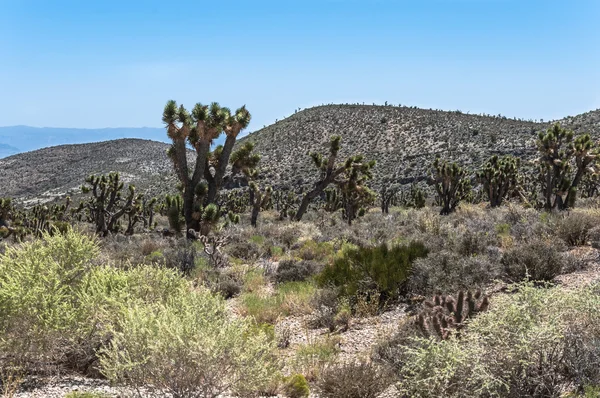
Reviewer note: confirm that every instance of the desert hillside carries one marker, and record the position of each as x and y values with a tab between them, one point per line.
403	140
53	172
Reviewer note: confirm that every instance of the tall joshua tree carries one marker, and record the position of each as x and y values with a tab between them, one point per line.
451	184
332	173
199	129
559	179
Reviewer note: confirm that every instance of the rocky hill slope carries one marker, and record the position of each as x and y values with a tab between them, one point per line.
56	171
403	140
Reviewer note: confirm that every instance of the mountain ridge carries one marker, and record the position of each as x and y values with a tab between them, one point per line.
403	141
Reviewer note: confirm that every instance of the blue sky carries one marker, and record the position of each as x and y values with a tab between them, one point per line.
115	63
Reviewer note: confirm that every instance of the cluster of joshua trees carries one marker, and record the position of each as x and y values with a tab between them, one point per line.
566	166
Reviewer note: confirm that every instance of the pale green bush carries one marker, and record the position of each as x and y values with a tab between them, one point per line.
534	342
187	347
40	313
147	325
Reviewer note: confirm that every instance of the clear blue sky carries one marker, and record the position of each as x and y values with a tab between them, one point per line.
112	63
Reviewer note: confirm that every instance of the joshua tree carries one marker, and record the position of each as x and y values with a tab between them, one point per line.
386	194
355	195
260	199
107	206
563	163
499	177
451	184
330	173
199	129
285	202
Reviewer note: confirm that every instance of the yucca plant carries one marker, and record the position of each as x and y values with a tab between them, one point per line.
451	183
564	161
200	186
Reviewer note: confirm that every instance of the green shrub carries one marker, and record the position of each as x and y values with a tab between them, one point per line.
535	342
40	315
353	380
379	268
187	347
296	386
314	356
536	260
311	250
140	326
79	394
292	298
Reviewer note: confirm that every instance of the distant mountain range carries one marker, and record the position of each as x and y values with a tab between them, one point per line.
19	139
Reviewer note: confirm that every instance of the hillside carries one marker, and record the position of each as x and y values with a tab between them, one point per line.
19	139
56	171
403	140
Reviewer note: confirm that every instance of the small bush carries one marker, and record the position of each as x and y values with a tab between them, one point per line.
574	228
296	386
537	260
246	250
78	394
447	271
292	298
295	271
380	268
182	257
353	380
311	250
472	243
314	356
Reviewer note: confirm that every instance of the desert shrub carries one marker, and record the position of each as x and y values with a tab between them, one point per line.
325	303
311	250
86	394
296	386
291	270
182	257
291	298
594	236
313	357
379	268
245	250
472	243
536	342
187	347
574	227
227	285
537	260
447	271
40	316
353	380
